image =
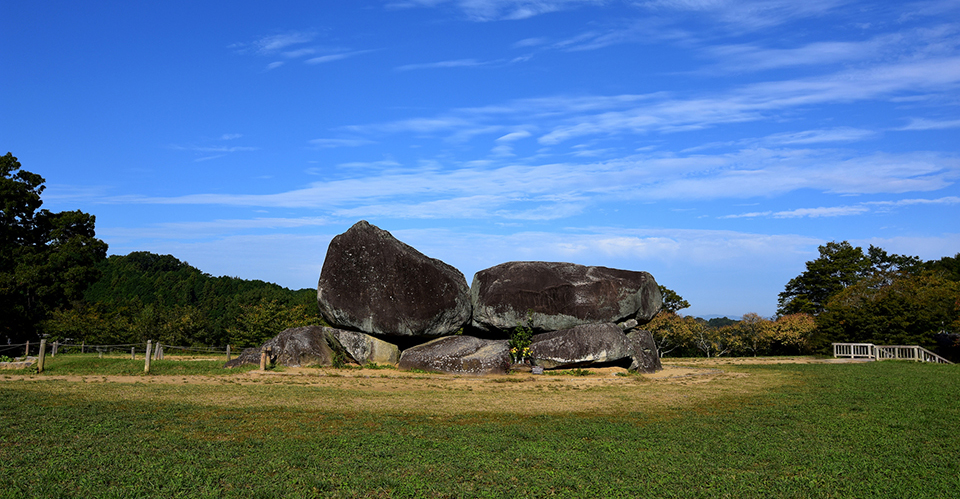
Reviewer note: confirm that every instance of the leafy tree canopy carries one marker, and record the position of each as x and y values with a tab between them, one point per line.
876	297
839	266
908	310
947	267
672	302
47	259
720	322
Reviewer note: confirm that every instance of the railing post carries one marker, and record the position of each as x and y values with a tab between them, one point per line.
43	348
146	363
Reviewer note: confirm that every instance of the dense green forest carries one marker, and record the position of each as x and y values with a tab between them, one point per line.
144	296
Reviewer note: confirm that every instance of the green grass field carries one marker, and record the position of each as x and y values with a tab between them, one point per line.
881	429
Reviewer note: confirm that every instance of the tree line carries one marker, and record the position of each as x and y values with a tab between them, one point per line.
846	295
144	296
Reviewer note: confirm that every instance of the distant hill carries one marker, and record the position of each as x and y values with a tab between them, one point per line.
143	284
166	281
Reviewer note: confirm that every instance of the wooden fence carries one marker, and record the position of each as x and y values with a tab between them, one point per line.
154	352
869	351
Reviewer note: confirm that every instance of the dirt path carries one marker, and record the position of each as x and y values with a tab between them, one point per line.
674	371
682	383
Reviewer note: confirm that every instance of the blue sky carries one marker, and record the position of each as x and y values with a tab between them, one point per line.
712	143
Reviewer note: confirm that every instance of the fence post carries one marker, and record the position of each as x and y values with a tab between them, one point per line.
83	347
263	359
43	347
228	353
146	362
133	353
54	352
27	352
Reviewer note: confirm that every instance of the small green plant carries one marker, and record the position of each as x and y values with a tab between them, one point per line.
420	371
338	361
520	339
4	358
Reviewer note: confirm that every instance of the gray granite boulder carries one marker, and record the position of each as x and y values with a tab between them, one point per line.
645	356
582	345
551	296
458	355
295	347
373	283
365	349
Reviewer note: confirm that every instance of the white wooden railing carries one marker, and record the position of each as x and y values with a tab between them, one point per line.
886	352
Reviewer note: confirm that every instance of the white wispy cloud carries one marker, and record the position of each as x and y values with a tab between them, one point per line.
839	211
748	15
223	149
295	45
553	191
563	118
492	10
336	57
927	124
802	137
331	143
386	163
908	202
820	212
753	57
750	103
839	134
512	136
463	63
209	228
272	44
459	63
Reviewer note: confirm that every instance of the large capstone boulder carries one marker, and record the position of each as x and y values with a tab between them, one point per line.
294	347
458	355
645	358
373	283
583	345
551	296
365	349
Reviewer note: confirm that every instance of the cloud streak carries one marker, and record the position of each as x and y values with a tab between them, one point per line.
564	118
840	211
496	10
555	191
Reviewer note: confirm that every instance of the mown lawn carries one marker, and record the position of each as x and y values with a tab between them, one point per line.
883	429
121	365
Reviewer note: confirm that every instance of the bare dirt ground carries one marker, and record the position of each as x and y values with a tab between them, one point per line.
682	383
